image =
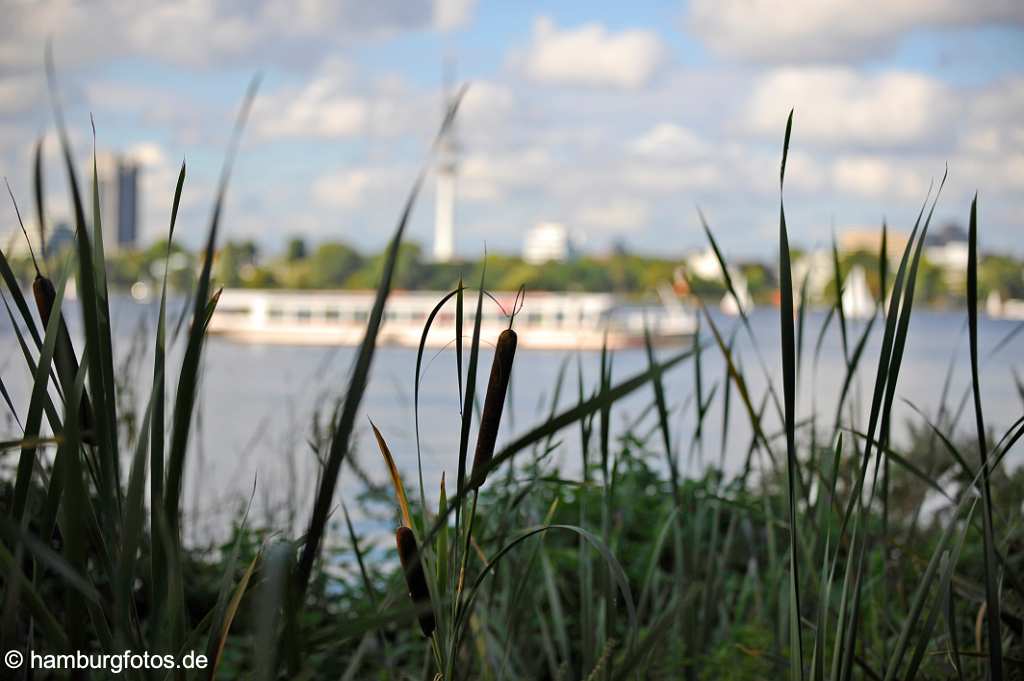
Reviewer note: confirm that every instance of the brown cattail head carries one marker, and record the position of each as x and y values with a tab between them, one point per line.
63	353
408	553
45	295
494	403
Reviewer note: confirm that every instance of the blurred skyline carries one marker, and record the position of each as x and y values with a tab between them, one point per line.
616	119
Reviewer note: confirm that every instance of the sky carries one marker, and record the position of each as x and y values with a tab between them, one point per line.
617	119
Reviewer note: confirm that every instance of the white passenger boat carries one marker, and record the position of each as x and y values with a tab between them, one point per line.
547	320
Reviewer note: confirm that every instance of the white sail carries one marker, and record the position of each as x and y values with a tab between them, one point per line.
857	301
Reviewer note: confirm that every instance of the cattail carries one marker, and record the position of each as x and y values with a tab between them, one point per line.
408	553
494	403
63	352
46	297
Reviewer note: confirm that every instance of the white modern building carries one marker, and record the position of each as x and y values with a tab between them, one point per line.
947	249
547	242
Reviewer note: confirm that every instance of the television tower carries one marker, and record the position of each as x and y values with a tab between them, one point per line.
447	167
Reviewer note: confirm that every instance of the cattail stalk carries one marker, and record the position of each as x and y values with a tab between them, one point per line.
408	554
494	404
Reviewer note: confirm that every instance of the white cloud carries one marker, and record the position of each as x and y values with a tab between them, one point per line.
485	103
333	105
838	106
19	93
354	187
993	122
815	30
591	55
668	140
149	154
453	14
671	178
198	33
490	177
875	178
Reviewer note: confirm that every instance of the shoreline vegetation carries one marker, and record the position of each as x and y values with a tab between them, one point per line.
815	562
336	265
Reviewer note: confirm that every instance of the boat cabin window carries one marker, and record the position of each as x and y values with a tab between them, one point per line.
332	313
304	314
275	313
234	310
360	315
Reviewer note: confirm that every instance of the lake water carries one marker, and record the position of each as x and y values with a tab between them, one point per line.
257	402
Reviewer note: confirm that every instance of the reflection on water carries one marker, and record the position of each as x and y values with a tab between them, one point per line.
257	403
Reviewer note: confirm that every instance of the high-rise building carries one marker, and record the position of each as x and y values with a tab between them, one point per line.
118	184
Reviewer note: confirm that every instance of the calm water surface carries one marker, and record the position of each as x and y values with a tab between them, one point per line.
258	403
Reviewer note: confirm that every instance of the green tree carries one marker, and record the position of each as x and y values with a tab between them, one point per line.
1001	273
332	264
296	249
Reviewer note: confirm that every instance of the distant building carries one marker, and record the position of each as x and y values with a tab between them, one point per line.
548	242
60	239
818	268
947	249
118	184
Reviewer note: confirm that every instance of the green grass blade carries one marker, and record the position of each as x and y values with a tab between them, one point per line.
467	404
789	396
103	324
157	422
416	391
837	279
992	611
663	424
39	192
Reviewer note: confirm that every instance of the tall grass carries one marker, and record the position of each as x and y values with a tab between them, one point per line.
801	565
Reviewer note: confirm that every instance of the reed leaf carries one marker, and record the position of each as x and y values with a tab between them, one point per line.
992	610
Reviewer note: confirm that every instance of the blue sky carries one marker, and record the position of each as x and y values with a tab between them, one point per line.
617	119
